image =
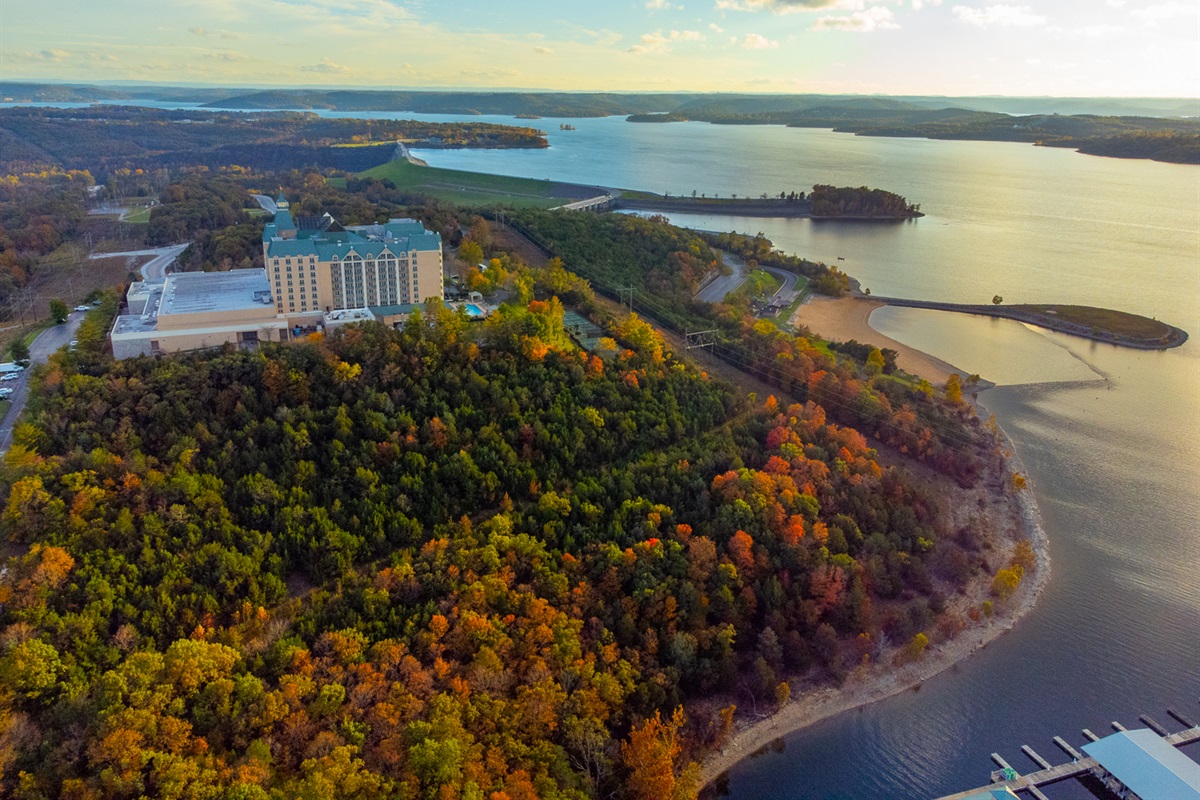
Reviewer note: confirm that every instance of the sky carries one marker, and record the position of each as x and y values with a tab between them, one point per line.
1130	48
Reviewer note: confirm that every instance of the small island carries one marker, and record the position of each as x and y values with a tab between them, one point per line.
825	202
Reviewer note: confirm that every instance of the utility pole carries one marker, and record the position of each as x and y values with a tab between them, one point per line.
626	290
701	339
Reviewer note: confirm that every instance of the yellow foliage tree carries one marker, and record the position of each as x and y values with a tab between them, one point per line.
651	757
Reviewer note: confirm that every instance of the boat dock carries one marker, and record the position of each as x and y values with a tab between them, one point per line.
1079	765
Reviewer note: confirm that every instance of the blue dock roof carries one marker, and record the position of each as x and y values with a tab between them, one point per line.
1148	765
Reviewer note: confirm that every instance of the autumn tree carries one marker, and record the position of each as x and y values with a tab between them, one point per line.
652	758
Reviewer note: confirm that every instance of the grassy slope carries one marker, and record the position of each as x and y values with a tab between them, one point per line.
473	188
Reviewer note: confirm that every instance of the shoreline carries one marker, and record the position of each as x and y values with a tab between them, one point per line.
845	318
1019	518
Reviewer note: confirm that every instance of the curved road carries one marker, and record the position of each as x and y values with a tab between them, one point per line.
787	292
719	287
154	271
50	340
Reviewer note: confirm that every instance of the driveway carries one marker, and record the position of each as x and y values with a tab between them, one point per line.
46	343
722	285
154	271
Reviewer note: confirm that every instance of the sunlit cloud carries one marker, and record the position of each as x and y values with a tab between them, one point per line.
661	5
326	67
206	32
756	41
544	50
1001	15
876	18
776	6
56	55
659	42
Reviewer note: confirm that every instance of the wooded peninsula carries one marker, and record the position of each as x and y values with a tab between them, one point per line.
469	559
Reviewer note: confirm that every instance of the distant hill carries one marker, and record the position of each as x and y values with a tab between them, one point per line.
585	104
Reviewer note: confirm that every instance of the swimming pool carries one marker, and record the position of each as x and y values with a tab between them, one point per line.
474	311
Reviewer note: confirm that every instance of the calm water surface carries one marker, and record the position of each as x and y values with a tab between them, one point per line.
1109	437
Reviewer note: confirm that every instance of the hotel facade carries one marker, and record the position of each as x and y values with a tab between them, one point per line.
318	275
316	265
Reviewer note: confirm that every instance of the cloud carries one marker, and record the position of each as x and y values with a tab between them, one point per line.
659	42
207	32
919	4
1101	30
1155	14
55	55
876	18
1003	15
543	50
229	57
714	27
776	6
661	5
326	67
756	41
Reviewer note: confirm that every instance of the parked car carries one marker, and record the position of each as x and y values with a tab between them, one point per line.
5	392
83	308
11	376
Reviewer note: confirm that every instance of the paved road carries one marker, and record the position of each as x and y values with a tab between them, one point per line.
152	271
722	285
50	340
268	205
786	292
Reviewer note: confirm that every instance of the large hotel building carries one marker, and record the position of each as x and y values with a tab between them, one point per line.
317	275
314	264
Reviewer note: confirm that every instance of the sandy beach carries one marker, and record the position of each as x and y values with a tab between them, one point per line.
845	318
1013	517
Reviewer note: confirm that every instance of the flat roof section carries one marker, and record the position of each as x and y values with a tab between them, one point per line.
1148	765
198	292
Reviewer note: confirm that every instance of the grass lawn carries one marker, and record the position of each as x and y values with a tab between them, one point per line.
471	188
759	283
337	183
1105	319
142	215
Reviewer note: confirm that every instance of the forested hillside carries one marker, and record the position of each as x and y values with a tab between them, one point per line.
664	264
104	139
443	562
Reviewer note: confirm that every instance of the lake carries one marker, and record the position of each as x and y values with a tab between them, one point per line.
1109	437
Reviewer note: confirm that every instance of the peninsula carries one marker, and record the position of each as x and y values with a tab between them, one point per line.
1099	324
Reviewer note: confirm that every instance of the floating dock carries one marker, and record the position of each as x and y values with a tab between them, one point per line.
1078	767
